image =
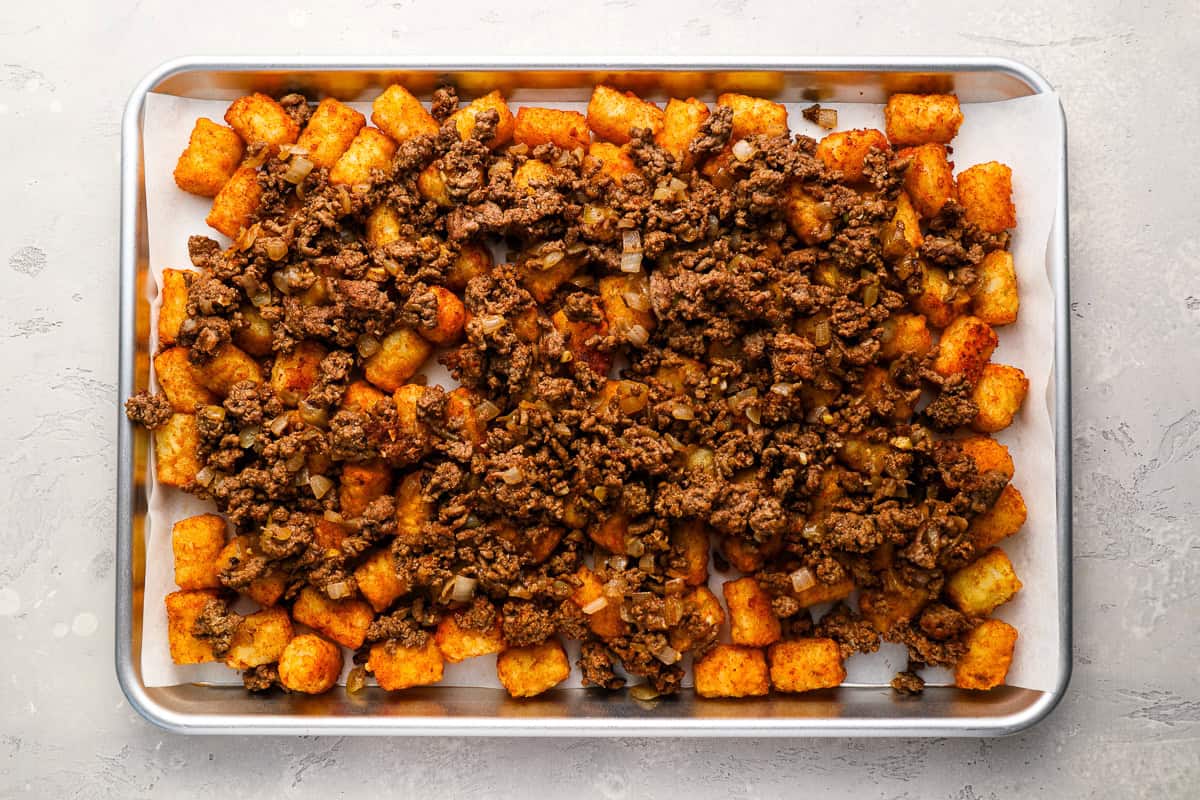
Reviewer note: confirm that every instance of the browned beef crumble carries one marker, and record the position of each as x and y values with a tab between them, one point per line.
753	419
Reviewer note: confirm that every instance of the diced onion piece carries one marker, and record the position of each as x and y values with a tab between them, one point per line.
487	410
298	169
742	150
901	443
677	185
337	590
681	411
248	435
334	516
246	238
205	476
279	424
635	547
631	242
631	262
512	475
313	415
802	579
638	301
367	345
552	258
637	335
674	443
871	294
822	334
662	193
827	118
320	485
281	281
294	463
463	589
490	323
599	604
356	681
261	298
754	414
782	389
643	692
276	249
593	214
667	654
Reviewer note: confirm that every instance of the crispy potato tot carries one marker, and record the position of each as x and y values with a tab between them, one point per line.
809	219
625	321
922	118
613	115
462	415
985	191
529	671
408	423
361	396
542	282
183	609
989	655
582	340
754	116
235	203
565	129
994	296
370	150
265	589
846	151
905	333
824	592
747	556
689	552
258	118
329	535
752	622
196	542
613	160
929	180
209	160
472	261
965	347
988	454
180	380
802	665
401	116
603	612
682	121
401	355
705	608
458	643
173	308
330	130
254	334
362	483
229	366
623	397
344	621
464	119
532	176
610	533
732	671
906	215
383	226
979	588
999	393
396	667
309	664
940	301
294	374
885	398
378	581
451	318
413	508
1003	519
884	609
431	183
175	459
259	639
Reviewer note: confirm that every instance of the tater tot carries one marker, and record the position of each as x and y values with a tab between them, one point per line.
922	118
310	665
210	159
565	129
613	115
329	132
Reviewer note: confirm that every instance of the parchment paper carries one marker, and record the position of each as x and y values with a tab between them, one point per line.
1023	133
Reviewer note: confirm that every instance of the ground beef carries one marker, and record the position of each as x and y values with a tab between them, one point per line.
217	624
149	410
262	678
908	682
596	664
760	404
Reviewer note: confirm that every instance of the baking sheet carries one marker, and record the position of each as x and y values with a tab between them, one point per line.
1024	133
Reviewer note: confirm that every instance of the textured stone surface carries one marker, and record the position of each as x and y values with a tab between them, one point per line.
1130	726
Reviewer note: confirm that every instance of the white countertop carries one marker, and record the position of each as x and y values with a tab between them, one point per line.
1130	725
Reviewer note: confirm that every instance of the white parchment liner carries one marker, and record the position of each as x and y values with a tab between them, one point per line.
1023	133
